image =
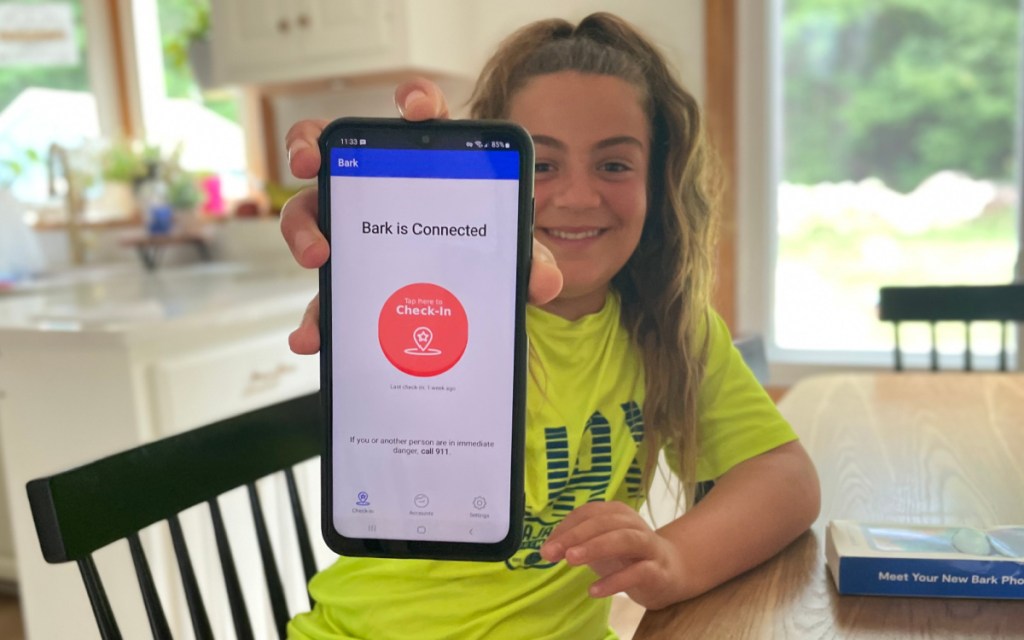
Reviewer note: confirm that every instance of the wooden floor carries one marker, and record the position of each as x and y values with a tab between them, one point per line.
10	619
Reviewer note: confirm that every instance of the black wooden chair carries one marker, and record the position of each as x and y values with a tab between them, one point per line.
966	303
80	511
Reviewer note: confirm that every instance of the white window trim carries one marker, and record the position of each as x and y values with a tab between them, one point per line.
146	71
101	63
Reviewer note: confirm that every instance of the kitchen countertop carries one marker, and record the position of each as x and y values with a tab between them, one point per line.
124	301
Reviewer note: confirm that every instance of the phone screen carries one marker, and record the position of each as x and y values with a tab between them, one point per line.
426	286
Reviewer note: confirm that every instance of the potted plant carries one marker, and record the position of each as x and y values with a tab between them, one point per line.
122	166
183	193
191	48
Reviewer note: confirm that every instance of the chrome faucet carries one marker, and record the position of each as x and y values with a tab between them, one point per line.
57	158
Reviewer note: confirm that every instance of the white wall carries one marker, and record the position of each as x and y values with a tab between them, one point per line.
676	25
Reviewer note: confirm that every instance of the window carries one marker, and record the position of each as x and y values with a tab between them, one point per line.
889	136
86	105
43	102
180	113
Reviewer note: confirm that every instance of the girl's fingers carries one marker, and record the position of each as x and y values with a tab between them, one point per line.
587	522
615	544
301	141
545	276
301	231
306	339
420	99
632	576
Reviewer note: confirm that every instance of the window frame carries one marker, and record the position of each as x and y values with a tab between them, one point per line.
106	64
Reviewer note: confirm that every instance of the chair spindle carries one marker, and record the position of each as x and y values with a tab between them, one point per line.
1002	345
194	598
98	599
968	363
150	598
935	348
702	489
239	612
274	588
301	530
897	352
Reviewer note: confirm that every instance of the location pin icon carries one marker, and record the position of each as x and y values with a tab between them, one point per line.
422	336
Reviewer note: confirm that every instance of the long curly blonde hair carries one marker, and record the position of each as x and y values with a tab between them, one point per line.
665	286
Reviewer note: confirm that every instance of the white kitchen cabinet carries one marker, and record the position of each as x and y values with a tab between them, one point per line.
72	391
272	41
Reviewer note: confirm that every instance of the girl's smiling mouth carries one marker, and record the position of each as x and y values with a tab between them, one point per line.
573	233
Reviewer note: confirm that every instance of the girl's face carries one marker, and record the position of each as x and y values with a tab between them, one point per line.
592	141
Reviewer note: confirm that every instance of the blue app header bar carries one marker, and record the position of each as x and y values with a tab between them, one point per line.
425	163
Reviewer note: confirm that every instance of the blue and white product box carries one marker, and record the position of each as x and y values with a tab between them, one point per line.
888	559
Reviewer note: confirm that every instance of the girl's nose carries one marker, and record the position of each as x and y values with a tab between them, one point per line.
576	190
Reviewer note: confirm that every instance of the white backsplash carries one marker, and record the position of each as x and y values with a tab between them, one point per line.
237	240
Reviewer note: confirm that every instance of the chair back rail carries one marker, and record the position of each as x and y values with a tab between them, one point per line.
79	511
961	303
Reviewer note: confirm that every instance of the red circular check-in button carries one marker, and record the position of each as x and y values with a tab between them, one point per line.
423	329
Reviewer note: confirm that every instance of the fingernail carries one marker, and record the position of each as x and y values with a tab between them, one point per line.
410	97
303	241
551	549
296	145
575	555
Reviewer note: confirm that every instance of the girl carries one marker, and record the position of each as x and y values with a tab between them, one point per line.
629	358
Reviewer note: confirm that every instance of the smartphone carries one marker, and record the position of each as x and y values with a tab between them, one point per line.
423	342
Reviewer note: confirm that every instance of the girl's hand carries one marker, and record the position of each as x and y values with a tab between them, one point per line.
615	542
416	100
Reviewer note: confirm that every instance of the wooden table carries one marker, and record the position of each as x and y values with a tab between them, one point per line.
911	447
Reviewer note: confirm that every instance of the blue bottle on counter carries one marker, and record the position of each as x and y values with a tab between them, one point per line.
159	215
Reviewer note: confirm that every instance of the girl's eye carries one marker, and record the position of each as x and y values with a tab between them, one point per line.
615	167
543	167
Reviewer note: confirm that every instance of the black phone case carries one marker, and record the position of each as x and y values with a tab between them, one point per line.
439	130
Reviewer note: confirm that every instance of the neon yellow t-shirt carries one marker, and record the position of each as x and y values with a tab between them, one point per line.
584	440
